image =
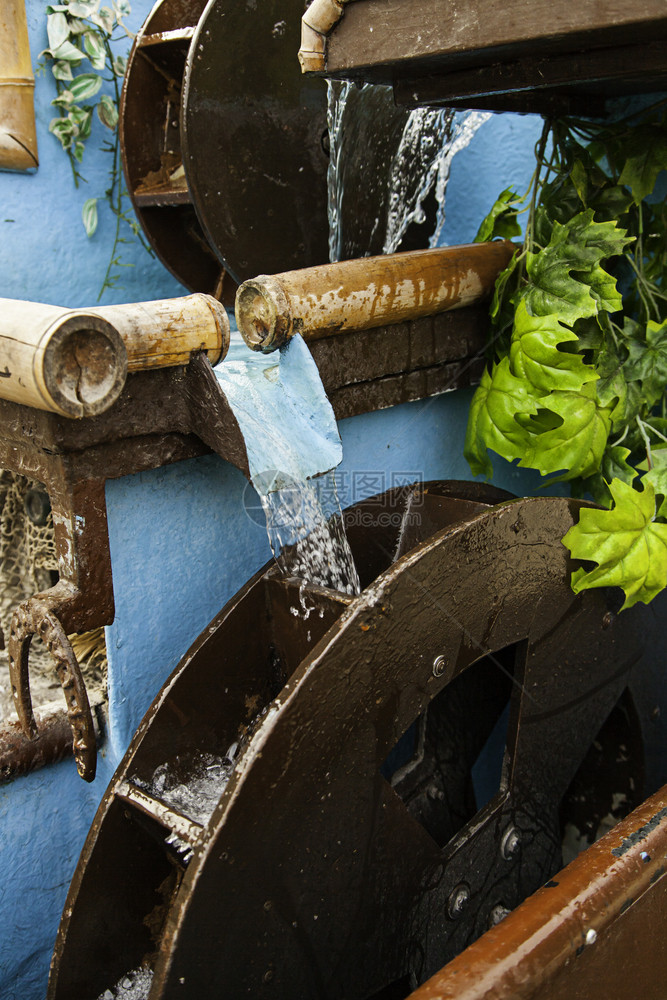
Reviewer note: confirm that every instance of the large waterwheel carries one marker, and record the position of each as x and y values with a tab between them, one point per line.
332	796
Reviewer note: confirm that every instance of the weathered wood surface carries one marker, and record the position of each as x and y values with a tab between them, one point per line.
18	139
569	83
391	33
366	293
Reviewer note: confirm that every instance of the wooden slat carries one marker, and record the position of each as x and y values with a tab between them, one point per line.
159	38
172	820
376	33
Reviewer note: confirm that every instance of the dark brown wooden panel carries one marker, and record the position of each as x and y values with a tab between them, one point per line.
377	34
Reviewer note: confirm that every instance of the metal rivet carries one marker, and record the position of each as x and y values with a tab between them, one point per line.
439	665
268	976
608	619
458	900
511	843
497	914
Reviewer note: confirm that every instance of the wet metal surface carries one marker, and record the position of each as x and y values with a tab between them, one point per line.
351	851
594	931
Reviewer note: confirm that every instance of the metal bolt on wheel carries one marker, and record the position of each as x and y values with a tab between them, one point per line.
376	815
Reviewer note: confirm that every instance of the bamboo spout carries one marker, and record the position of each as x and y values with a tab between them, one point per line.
75	362
371	291
18	139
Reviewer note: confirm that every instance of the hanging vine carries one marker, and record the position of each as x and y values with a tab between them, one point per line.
81	31
576	384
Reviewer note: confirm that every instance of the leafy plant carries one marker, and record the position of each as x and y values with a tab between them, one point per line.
81	31
575	385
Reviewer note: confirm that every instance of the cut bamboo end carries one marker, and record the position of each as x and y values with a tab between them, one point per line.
263	313
66	362
82	365
319	19
76	363
369	292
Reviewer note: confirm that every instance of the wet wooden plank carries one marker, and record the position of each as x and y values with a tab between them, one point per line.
374	35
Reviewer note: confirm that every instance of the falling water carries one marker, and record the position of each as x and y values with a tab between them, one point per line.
307	534
386	166
293	445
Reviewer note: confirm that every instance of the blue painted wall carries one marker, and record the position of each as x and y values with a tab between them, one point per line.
181	540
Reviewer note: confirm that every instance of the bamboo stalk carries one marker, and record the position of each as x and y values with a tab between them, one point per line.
18	138
164	333
319	19
361	294
75	363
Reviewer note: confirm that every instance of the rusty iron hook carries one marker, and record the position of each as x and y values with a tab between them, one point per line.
35	617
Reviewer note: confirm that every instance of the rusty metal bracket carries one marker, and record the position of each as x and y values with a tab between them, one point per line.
37	617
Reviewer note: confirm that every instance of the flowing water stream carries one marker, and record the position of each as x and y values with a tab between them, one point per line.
388	170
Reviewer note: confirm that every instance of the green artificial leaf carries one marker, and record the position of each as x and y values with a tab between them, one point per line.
648	362
649	157
89	215
63	129
107	112
64	99
62	70
575	447
68	52
610	204
83	8
95	49
104	19
491	422
628	546
57	29
657	476
119	65
613	388
597	241
578	246
579	177
82	118
502	219
534	353
614	465
85	85
122	8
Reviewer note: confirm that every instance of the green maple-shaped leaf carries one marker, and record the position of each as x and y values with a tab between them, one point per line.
575	447
565	278
648	362
649	157
491	421
502	219
657	477
614	465
627	544
613	388
534	354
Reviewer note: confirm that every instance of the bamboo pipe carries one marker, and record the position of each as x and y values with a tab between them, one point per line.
75	362
18	139
165	332
371	291
319	19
